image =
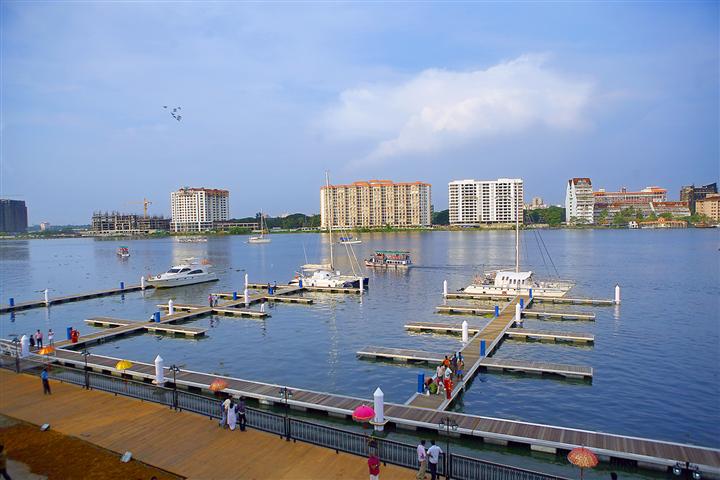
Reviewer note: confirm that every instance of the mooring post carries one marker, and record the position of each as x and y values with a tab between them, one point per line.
142	282
159	370
47	297
247	282
482	348
156	316
497	311
530	293
262	307
617	294
246	294
522	303
465	331
122	285
171	307
235	297
379	398
12	302
68	331
518	313
421	382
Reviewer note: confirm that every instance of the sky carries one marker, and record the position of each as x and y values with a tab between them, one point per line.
273	95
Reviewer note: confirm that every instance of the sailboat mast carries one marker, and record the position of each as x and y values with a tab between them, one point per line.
517	235
330	217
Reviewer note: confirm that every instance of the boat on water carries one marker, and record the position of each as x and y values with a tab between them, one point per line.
123	252
260	238
349	240
192	240
389	259
508	282
188	273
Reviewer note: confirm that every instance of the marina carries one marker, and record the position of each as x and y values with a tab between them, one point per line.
455	309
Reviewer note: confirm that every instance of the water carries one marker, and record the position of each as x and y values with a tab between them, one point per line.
655	358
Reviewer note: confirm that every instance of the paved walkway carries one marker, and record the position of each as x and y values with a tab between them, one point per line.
183	443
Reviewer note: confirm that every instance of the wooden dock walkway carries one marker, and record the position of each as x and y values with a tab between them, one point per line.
492	430
263	286
528	313
72	298
561	300
227	311
401	355
448	328
543	335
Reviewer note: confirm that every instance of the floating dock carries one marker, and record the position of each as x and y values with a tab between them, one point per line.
240	312
462	309
560	300
448	328
401	355
543	336
72	298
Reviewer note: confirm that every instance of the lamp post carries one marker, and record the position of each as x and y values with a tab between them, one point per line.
448	424
85	355
285	393
174	369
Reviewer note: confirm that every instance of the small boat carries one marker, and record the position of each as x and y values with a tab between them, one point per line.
349	240
187	273
192	240
389	259
260	238
123	252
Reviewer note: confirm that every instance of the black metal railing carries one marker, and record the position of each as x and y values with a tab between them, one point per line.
388	451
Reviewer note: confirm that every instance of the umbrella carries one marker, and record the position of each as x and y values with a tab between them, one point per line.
123	365
218	384
583	458
46	350
363	414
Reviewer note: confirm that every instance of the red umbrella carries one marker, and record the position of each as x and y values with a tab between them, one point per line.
218	384
363	414
583	458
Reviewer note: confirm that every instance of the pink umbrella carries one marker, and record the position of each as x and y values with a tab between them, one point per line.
363	414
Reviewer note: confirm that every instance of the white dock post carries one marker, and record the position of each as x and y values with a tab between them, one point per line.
142	282
171	307
379	398
24	346
262	307
246	281
617	294
445	288
518	313
47	297
247	297
465	331
159	370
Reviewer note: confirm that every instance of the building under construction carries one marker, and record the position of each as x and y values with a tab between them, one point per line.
127	223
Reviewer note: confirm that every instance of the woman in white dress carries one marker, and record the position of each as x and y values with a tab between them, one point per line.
232	416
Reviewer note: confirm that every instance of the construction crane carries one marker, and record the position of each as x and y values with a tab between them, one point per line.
145	203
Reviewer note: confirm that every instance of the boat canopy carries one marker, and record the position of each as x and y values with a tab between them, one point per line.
514	279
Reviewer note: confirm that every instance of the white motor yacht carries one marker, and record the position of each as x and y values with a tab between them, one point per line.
184	274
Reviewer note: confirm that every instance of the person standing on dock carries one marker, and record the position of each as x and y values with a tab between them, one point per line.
39	338
45	381
232	415
51	337
433	454
241	414
460	369
210	300
374	467
422	460
224	406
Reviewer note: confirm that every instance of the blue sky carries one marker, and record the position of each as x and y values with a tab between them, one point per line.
273	95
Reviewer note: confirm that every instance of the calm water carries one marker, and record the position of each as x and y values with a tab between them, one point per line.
655	358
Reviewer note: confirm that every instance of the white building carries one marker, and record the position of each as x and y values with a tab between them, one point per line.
195	209
473	202
579	201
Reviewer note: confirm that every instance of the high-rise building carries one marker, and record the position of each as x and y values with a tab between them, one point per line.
579	201
710	206
13	216
473	202
195	209
691	194
376	203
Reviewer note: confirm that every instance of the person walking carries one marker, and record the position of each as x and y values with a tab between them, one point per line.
45	381
433	454
241	414
39	338
210	300
224	406
374	467
51	337
3	463
422	460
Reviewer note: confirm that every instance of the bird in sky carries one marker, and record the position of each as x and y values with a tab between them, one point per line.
175	112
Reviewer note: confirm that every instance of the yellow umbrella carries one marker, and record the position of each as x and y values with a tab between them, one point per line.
123	365
46	350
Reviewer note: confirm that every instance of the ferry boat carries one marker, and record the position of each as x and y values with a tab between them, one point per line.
187	273
389	259
349	240
123	252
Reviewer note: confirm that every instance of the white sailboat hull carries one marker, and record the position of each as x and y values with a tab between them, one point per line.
551	292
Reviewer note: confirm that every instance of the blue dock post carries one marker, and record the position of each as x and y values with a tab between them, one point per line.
12	302
522	303
234	295
482	348
300	283
69	333
122	285
421	383
497	311
156	316
531	293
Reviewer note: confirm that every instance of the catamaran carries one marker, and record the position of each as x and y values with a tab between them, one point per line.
506	282
260	238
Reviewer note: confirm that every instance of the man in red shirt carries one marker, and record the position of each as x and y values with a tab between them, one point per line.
374	467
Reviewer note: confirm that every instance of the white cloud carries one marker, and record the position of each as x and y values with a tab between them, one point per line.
441	108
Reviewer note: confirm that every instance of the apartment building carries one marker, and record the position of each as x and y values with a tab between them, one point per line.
646	195
692	194
474	202
375	203
579	201
710	206
195	209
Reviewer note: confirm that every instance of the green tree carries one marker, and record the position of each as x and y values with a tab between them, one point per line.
441	218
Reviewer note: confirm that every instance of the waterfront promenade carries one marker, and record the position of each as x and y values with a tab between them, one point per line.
186	444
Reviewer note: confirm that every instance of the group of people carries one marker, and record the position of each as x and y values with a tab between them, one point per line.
232	414
213	300
36	339
428	459
449	371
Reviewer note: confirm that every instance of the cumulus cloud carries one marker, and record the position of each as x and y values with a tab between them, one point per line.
441	108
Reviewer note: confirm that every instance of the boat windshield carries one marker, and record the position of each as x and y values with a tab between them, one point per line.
173	270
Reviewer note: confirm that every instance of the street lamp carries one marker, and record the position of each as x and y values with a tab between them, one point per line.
286	393
448	424
174	369
85	355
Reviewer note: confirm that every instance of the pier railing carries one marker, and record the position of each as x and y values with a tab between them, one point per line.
389	451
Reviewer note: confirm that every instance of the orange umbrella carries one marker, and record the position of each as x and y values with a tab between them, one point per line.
46	350
583	458
218	384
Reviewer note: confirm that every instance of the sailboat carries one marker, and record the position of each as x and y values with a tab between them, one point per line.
260	238
506	282
325	275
